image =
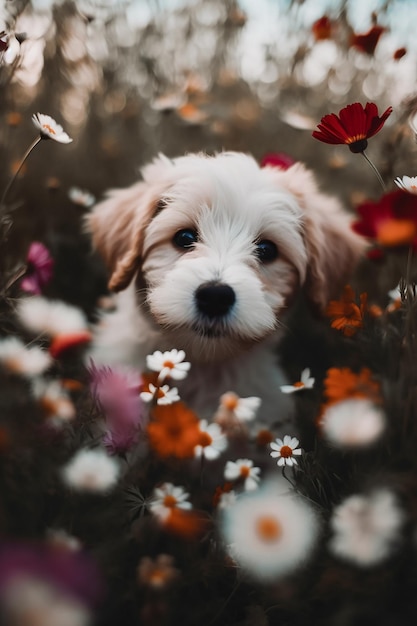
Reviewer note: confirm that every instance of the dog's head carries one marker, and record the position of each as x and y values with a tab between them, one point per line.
218	247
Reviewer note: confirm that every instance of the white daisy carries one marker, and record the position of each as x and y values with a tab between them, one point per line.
285	449
50	317
243	468
407	183
212	441
92	471
81	197
366	528
243	408
164	395
23	360
305	382
49	129
168	497
269	532
353	422
168	364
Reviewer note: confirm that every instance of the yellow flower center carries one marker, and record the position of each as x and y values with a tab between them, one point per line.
299	384
169	364
268	528
355	138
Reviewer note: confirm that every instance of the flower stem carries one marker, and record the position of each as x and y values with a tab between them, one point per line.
25	156
378	175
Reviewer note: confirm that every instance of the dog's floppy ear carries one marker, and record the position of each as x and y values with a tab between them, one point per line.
117	224
333	249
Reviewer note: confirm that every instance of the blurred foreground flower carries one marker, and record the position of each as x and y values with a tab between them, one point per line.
305	382
39	269
269	533
47	584
20	359
366	528
391	221
352	423
285	449
49	129
64	324
116	391
346	315
91	471
353	127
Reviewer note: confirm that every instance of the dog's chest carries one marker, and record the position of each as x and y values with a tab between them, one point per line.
253	374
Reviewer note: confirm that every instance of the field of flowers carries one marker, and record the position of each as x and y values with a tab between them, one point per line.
118	504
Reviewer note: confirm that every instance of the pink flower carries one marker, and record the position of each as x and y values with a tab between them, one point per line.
39	269
116	391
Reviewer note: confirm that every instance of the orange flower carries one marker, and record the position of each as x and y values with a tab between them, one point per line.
173	430
342	383
346	315
190	525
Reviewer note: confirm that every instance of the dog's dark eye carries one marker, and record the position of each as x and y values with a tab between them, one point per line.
266	251
185	238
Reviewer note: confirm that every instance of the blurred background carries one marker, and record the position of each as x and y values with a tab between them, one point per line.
127	80
130	78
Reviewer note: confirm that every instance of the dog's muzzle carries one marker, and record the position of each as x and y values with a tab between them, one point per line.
214	301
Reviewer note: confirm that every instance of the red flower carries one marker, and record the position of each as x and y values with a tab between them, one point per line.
39	269
277	159
322	28
391	221
354	125
367	42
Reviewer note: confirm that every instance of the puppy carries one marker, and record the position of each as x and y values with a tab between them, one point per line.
207	254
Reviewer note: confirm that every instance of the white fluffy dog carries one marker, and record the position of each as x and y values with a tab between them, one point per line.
207	253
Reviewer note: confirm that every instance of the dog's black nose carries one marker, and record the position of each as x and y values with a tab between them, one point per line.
215	300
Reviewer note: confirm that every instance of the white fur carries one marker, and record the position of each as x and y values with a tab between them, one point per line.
232	203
